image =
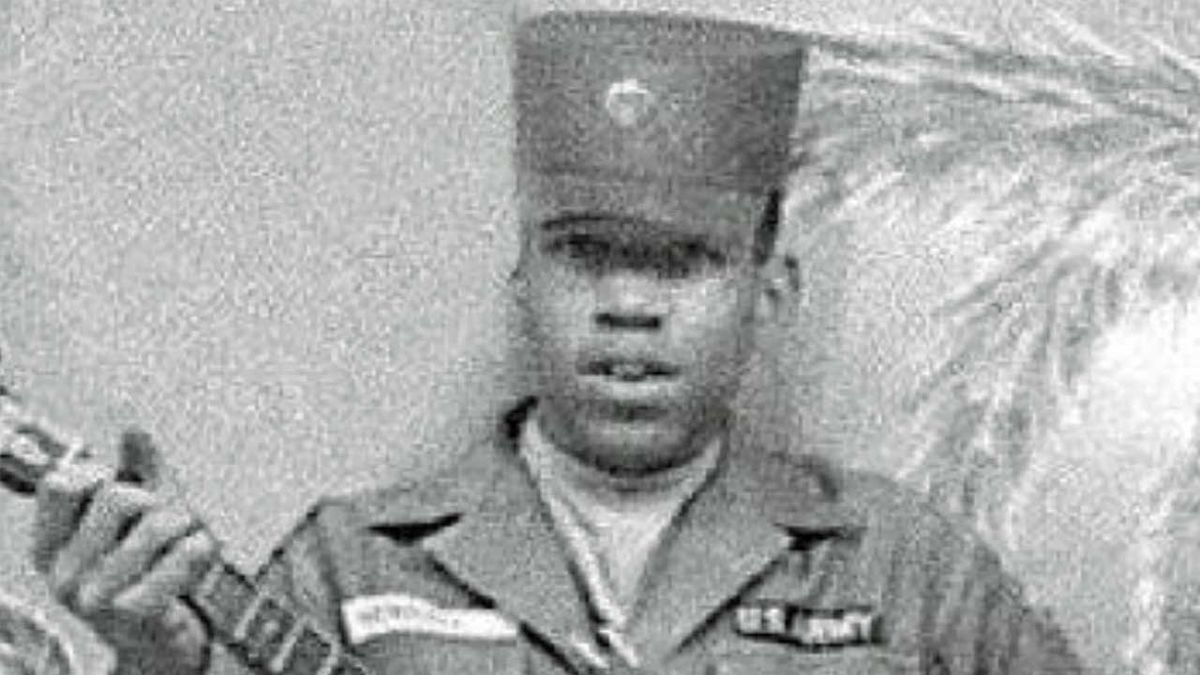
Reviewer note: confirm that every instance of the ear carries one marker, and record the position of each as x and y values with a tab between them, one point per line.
780	288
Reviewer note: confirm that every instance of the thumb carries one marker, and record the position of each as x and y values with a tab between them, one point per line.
140	459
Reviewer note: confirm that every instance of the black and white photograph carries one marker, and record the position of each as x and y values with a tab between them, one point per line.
584	337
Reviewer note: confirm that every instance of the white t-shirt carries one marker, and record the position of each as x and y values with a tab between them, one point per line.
612	525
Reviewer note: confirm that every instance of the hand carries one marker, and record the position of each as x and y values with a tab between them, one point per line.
120	554
29	645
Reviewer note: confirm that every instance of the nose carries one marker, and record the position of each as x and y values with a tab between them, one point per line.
628	301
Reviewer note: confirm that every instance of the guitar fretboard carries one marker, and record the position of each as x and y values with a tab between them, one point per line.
262	631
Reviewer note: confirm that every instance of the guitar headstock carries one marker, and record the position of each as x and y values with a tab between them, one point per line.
28	450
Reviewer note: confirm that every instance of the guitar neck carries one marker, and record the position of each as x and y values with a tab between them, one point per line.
259	628
262	631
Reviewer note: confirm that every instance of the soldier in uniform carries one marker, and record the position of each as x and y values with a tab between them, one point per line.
617	520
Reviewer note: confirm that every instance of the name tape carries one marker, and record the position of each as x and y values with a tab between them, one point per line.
373	615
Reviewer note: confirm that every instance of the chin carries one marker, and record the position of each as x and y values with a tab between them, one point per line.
635	447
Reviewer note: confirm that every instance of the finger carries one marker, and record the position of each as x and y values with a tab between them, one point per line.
61	497
153	535
111	511
173	577
176	639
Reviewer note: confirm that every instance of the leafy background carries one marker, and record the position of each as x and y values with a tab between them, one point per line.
277	236
1057	409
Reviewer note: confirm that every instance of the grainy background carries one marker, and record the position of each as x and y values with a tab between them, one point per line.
276	237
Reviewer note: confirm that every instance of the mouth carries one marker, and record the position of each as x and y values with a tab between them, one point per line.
629	370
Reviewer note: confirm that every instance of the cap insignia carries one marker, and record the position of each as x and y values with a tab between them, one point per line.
628	102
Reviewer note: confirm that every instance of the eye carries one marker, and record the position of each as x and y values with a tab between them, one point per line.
690	258
579	250
595	254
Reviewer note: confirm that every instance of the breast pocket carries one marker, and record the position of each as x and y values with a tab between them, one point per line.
437	655
784	659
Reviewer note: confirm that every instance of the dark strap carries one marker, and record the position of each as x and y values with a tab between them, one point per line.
263	631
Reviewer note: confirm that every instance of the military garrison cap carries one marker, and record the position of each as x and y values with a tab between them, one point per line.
655	116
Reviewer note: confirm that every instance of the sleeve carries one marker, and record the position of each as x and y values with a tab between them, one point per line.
297	572
986	625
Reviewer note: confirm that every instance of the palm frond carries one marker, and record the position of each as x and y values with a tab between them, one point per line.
1083	165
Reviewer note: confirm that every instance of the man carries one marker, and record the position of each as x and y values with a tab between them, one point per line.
617	521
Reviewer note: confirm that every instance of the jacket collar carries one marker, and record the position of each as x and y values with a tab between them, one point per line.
458	488
499	540
798	493
756	505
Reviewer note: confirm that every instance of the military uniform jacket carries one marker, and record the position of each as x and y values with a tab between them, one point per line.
777	565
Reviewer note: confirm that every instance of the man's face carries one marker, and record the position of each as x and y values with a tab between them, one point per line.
640	332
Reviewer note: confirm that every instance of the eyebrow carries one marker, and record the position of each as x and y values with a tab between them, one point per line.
571	219
671	231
